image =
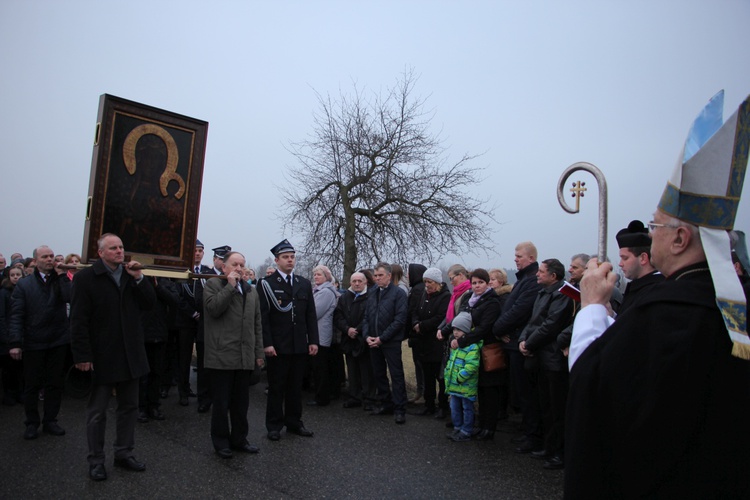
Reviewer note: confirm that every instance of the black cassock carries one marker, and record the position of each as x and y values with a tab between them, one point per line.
658	405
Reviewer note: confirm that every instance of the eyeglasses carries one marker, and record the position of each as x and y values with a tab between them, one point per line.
450	278
653	225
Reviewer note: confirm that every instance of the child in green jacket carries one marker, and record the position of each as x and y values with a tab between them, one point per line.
461	379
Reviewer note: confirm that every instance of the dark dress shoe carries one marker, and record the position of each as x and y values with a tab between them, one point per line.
400	418
274	435
224	452
485	435
31	432
382	411
246	448
554	463
53	428
97	472
130	464
300	431
164	393
142	417
540	454
440	415
352	403
203	408
155	414
183	401
527	447
368	407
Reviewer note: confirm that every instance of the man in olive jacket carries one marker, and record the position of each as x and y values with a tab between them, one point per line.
107	339
234	348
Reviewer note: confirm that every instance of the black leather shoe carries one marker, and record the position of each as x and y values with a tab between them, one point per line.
527	447
155	414
540	454
274	435
142	417
246	448
300	431
554	463
203	408
400	418
224	453
31	432
352	403
440	415
97	472
191	394
130	464
382	411
485	435
183	401
53	428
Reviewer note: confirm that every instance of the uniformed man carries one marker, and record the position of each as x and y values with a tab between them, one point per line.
219	254
635	262
290	335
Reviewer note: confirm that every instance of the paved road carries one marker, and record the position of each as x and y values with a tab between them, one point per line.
353	455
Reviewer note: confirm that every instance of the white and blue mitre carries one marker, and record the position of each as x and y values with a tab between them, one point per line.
705	190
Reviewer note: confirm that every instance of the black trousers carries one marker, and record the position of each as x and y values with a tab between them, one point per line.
43	369
148	392
203	377
185	339
388	357
326	371
524	391
231	394
126	416
12	376
431	376
284	404
553	396
489	405
361	380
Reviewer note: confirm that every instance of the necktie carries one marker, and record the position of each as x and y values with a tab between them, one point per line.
197	269
239	287
289	279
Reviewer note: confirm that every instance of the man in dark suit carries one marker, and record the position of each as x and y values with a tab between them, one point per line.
290	335
107	339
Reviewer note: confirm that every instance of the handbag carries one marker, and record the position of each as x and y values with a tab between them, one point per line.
493	357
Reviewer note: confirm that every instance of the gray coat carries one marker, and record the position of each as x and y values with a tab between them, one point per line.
233	331
326	297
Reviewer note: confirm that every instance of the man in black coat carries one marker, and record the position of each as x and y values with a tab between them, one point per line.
516	313
39	332
108	341
290	336
348	318
635	262
383	328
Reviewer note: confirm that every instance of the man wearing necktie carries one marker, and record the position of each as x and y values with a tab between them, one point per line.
233	350
290	335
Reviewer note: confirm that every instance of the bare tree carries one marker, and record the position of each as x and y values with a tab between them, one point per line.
373	183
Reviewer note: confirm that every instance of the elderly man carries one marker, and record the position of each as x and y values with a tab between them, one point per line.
635	262
108	341
659	400
290	336
40	333
234	349
386	314
348	318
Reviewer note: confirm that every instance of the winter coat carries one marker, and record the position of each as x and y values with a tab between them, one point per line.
5	300
350	313
462	371
39	312
326	297
518	306
233	333
386	314
155	327
429	314
105	323
552	313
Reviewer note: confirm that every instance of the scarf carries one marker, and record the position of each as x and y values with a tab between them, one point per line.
458	290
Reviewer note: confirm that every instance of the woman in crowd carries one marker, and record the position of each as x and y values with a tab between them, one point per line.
325	365
11	368
483	305
72	259
427	348
499	283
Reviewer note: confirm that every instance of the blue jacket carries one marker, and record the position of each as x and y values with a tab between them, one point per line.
386	314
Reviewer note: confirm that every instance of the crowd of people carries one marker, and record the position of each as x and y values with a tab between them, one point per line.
637	394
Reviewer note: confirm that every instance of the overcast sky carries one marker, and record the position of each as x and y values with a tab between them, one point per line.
535	86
